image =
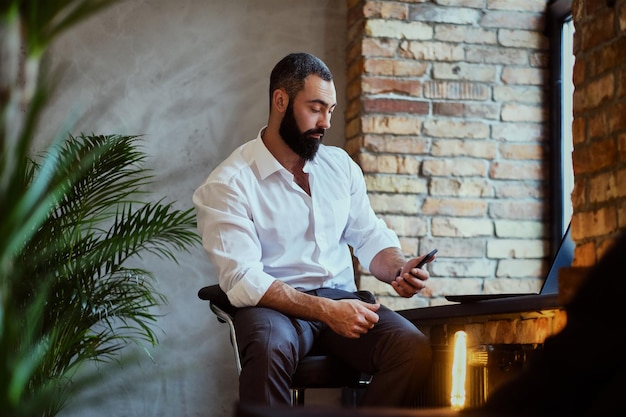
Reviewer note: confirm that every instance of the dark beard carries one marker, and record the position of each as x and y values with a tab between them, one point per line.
302	144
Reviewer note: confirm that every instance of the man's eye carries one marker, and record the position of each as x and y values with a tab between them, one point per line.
316	110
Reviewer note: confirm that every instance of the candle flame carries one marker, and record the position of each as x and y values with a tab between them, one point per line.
459	368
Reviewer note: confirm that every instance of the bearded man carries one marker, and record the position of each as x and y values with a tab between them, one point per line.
278	219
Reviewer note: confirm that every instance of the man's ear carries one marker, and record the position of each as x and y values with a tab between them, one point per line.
280	98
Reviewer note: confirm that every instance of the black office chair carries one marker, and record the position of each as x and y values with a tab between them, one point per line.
313	371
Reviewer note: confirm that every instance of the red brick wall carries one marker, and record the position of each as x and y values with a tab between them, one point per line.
599	127
447	115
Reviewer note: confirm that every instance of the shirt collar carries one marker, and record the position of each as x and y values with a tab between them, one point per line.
264	159
266	162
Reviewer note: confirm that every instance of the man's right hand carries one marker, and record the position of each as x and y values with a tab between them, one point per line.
351	318
346	317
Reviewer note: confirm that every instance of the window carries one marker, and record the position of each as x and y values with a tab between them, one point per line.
567	144
561	33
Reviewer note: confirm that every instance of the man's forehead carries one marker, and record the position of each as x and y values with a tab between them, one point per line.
317	89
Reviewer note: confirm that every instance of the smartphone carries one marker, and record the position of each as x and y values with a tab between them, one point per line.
427	258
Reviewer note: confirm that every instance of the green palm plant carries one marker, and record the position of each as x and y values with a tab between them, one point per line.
94	304
72	220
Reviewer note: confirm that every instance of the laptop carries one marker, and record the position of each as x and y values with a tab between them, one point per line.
563	258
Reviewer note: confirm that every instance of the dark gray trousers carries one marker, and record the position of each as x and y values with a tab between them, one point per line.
395	352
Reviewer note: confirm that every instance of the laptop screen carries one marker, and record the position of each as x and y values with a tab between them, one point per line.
563	258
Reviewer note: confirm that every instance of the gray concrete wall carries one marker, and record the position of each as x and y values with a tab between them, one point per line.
192	77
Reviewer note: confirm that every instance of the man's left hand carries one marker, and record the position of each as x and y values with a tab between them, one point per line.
411	280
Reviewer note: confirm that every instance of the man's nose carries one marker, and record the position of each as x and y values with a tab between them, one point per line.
324	121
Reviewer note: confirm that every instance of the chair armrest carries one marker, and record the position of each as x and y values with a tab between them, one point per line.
224	311
216	296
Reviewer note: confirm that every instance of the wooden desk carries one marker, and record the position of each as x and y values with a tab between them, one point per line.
524	305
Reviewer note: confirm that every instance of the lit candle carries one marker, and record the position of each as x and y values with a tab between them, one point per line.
459	368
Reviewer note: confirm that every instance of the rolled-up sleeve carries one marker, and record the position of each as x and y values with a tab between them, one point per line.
230	240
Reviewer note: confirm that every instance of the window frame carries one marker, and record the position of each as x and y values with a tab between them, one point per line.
559	13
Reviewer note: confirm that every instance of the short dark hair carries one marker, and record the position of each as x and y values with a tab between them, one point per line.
291	71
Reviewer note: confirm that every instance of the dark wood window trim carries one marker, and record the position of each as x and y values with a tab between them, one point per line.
559	12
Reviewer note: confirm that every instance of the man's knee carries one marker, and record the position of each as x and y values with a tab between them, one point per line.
417	347
270	343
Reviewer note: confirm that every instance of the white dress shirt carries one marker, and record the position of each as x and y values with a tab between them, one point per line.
258	225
